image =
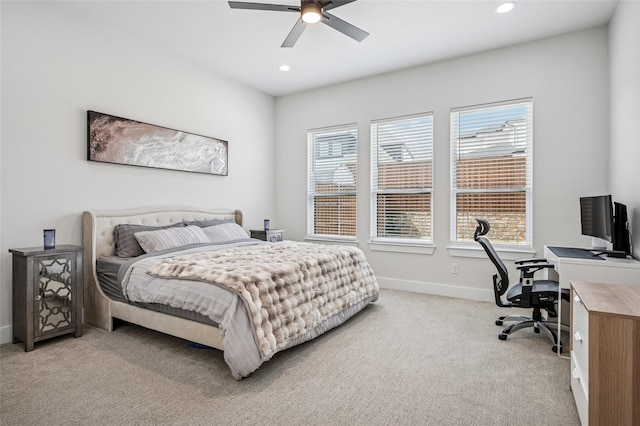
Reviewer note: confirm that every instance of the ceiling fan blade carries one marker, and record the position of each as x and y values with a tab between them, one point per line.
334	4
344	27
295	33
263	6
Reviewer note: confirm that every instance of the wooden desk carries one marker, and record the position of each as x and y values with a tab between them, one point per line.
605	353
604	270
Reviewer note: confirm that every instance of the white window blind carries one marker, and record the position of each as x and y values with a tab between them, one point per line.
331	181
491	164
402	178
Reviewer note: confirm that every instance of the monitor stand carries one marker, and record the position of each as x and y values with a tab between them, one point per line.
598	244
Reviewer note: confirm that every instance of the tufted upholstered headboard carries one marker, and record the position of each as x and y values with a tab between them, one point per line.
98	226
97	238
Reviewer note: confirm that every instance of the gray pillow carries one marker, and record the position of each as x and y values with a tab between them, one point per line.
126	243
225	232
164	239
207	223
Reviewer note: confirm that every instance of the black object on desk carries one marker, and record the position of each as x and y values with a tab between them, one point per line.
616	253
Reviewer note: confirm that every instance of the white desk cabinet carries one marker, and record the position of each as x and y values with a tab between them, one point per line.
604	270
605	353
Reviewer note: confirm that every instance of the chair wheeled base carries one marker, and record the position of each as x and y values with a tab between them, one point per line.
539	325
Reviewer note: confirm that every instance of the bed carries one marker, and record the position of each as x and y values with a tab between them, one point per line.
261	297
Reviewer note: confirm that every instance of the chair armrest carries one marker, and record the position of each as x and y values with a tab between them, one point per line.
536	266
533	260
528	271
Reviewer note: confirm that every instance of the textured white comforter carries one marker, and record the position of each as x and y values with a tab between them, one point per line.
266	297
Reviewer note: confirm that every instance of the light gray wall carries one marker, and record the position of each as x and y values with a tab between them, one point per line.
55	66
567	76
624	170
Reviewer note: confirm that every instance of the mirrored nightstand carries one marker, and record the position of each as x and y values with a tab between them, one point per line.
47	293
272	235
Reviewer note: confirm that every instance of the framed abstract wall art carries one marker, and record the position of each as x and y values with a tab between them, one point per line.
112	139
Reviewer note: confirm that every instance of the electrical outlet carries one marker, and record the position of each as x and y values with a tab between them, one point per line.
454	268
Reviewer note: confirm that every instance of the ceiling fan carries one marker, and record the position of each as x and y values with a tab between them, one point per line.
310	11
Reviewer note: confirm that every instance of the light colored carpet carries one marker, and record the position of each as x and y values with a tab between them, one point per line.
408	359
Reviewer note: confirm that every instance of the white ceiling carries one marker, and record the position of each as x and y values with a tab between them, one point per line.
245	44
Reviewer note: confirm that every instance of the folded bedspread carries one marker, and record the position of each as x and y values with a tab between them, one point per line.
291	291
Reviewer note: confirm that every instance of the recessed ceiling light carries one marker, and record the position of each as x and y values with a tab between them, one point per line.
506	7
284	67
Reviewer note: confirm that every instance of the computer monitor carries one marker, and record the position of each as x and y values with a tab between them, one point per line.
621	234
596	217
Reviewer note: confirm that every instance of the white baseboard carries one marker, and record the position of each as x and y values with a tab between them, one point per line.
483	295
6	334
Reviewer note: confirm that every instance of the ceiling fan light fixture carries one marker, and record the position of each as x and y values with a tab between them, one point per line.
506	7
311	13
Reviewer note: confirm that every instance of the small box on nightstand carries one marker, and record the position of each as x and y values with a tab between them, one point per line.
272	235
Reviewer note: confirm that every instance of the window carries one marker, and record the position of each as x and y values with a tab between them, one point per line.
332	179
402	179
491	163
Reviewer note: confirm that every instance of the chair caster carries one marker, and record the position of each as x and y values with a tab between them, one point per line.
499	322
557	349
502	336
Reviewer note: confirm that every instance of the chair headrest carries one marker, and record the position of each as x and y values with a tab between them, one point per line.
482	229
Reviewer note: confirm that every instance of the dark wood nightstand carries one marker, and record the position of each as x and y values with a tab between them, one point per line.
47	293
272	235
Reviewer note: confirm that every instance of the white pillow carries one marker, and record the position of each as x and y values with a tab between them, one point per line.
163	239
225	232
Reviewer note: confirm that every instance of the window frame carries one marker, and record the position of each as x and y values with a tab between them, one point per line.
312	140
526	246
400	244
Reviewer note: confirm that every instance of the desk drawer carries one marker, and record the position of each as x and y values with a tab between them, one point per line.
580	393
580	338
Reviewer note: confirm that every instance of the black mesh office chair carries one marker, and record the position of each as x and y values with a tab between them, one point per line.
528	293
